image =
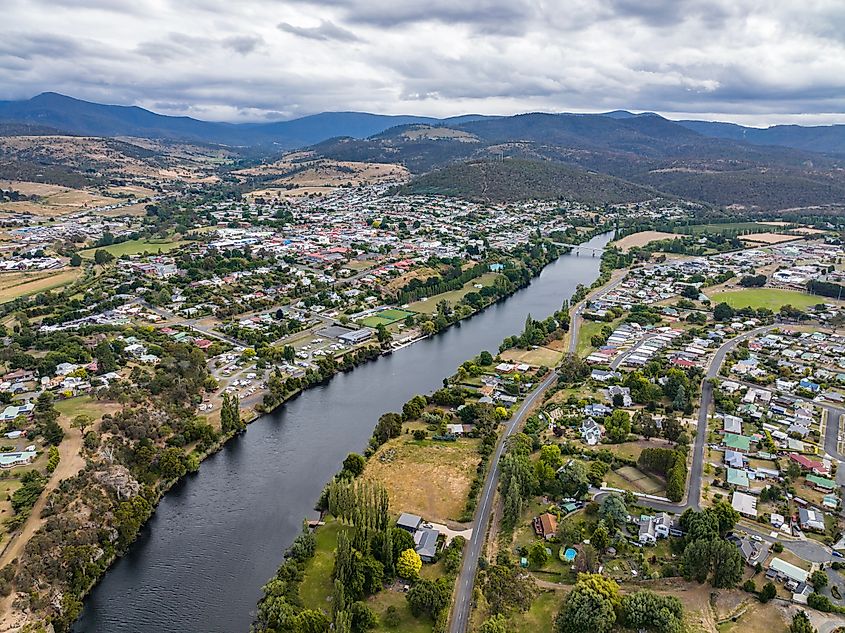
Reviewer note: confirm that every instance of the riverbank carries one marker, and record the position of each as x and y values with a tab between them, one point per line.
249	503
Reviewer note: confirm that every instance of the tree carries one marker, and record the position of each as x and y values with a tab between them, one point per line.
104	354
618	426
801	624
354	463
723	312
818	579
573	479
494	624
230	415
725	515
601	537
102	257
613	511
81	422
537	554
485	358
768	592
429	597
76	260
363	618
647	610
680	402
382	334
590	606
508	589
409	564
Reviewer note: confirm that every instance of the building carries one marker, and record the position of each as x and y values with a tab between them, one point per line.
545	526
809	464
409	522
18	458
590	432
425	541
812	520
738	478
354	337
745	504
736	442
822	484
782	570
654	527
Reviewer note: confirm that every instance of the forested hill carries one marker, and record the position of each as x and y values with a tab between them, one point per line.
516	179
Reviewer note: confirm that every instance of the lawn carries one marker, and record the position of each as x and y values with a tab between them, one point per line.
541	615
630	478
428	306
135	247
427	478
80	404
15	285
771	298
317	584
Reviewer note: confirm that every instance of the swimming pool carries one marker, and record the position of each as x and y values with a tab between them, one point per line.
569	555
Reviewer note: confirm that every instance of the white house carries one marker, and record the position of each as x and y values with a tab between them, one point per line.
590	432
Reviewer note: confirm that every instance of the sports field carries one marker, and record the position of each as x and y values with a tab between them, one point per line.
386	317
771	298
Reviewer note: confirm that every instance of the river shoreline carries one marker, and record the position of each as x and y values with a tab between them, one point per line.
177	489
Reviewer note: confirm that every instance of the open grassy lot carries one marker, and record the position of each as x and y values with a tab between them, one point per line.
631	478
541	615
428	306
585	332
425	477
80	405
135	247
14	285
539	356
771	298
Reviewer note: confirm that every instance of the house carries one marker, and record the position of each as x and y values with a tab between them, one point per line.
425	541
597	410
809	464
545	526
810	519
654	527
776	520
782	570
18	458
745	504
809	385
409	522
735	442
738	478
590	432
752	551
734	459
12	411
732	424
822	484
624	393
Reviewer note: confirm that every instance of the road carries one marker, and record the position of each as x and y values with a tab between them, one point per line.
466	579
575	322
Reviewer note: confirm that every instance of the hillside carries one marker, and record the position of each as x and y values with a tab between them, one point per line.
512	180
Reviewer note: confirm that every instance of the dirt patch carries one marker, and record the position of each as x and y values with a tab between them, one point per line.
431	479
641	239
768	238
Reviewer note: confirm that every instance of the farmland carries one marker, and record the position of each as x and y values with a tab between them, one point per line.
135	247
14	285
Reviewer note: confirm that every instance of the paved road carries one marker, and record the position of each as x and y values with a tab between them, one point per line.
466	579
575	321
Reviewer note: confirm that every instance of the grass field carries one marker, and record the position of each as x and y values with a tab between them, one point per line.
452	297
585	333
641	239
135	247
427	478
542	356
386	317
541	615
14	285
631	478
771	298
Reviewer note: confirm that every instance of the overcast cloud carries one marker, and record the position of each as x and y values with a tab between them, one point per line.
741	60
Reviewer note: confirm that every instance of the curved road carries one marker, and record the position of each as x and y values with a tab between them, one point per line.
466	579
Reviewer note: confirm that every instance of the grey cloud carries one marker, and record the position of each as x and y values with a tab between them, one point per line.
243	44
324	32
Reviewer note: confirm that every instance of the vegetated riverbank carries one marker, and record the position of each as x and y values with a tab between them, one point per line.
248	505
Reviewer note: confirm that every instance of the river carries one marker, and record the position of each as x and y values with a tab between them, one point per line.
218	536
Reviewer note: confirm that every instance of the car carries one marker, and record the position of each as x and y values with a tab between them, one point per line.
838	554
754	537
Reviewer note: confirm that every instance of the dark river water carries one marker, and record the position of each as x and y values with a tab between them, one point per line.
199	564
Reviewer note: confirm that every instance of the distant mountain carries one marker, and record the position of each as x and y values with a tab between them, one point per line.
74	116
820	138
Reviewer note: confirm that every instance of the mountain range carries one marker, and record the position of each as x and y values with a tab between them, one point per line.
602	157
51	111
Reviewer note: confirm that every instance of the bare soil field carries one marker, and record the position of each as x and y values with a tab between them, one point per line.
641	239
431	132
427	478
767	238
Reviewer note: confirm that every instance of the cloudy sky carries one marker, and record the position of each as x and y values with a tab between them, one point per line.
754	62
